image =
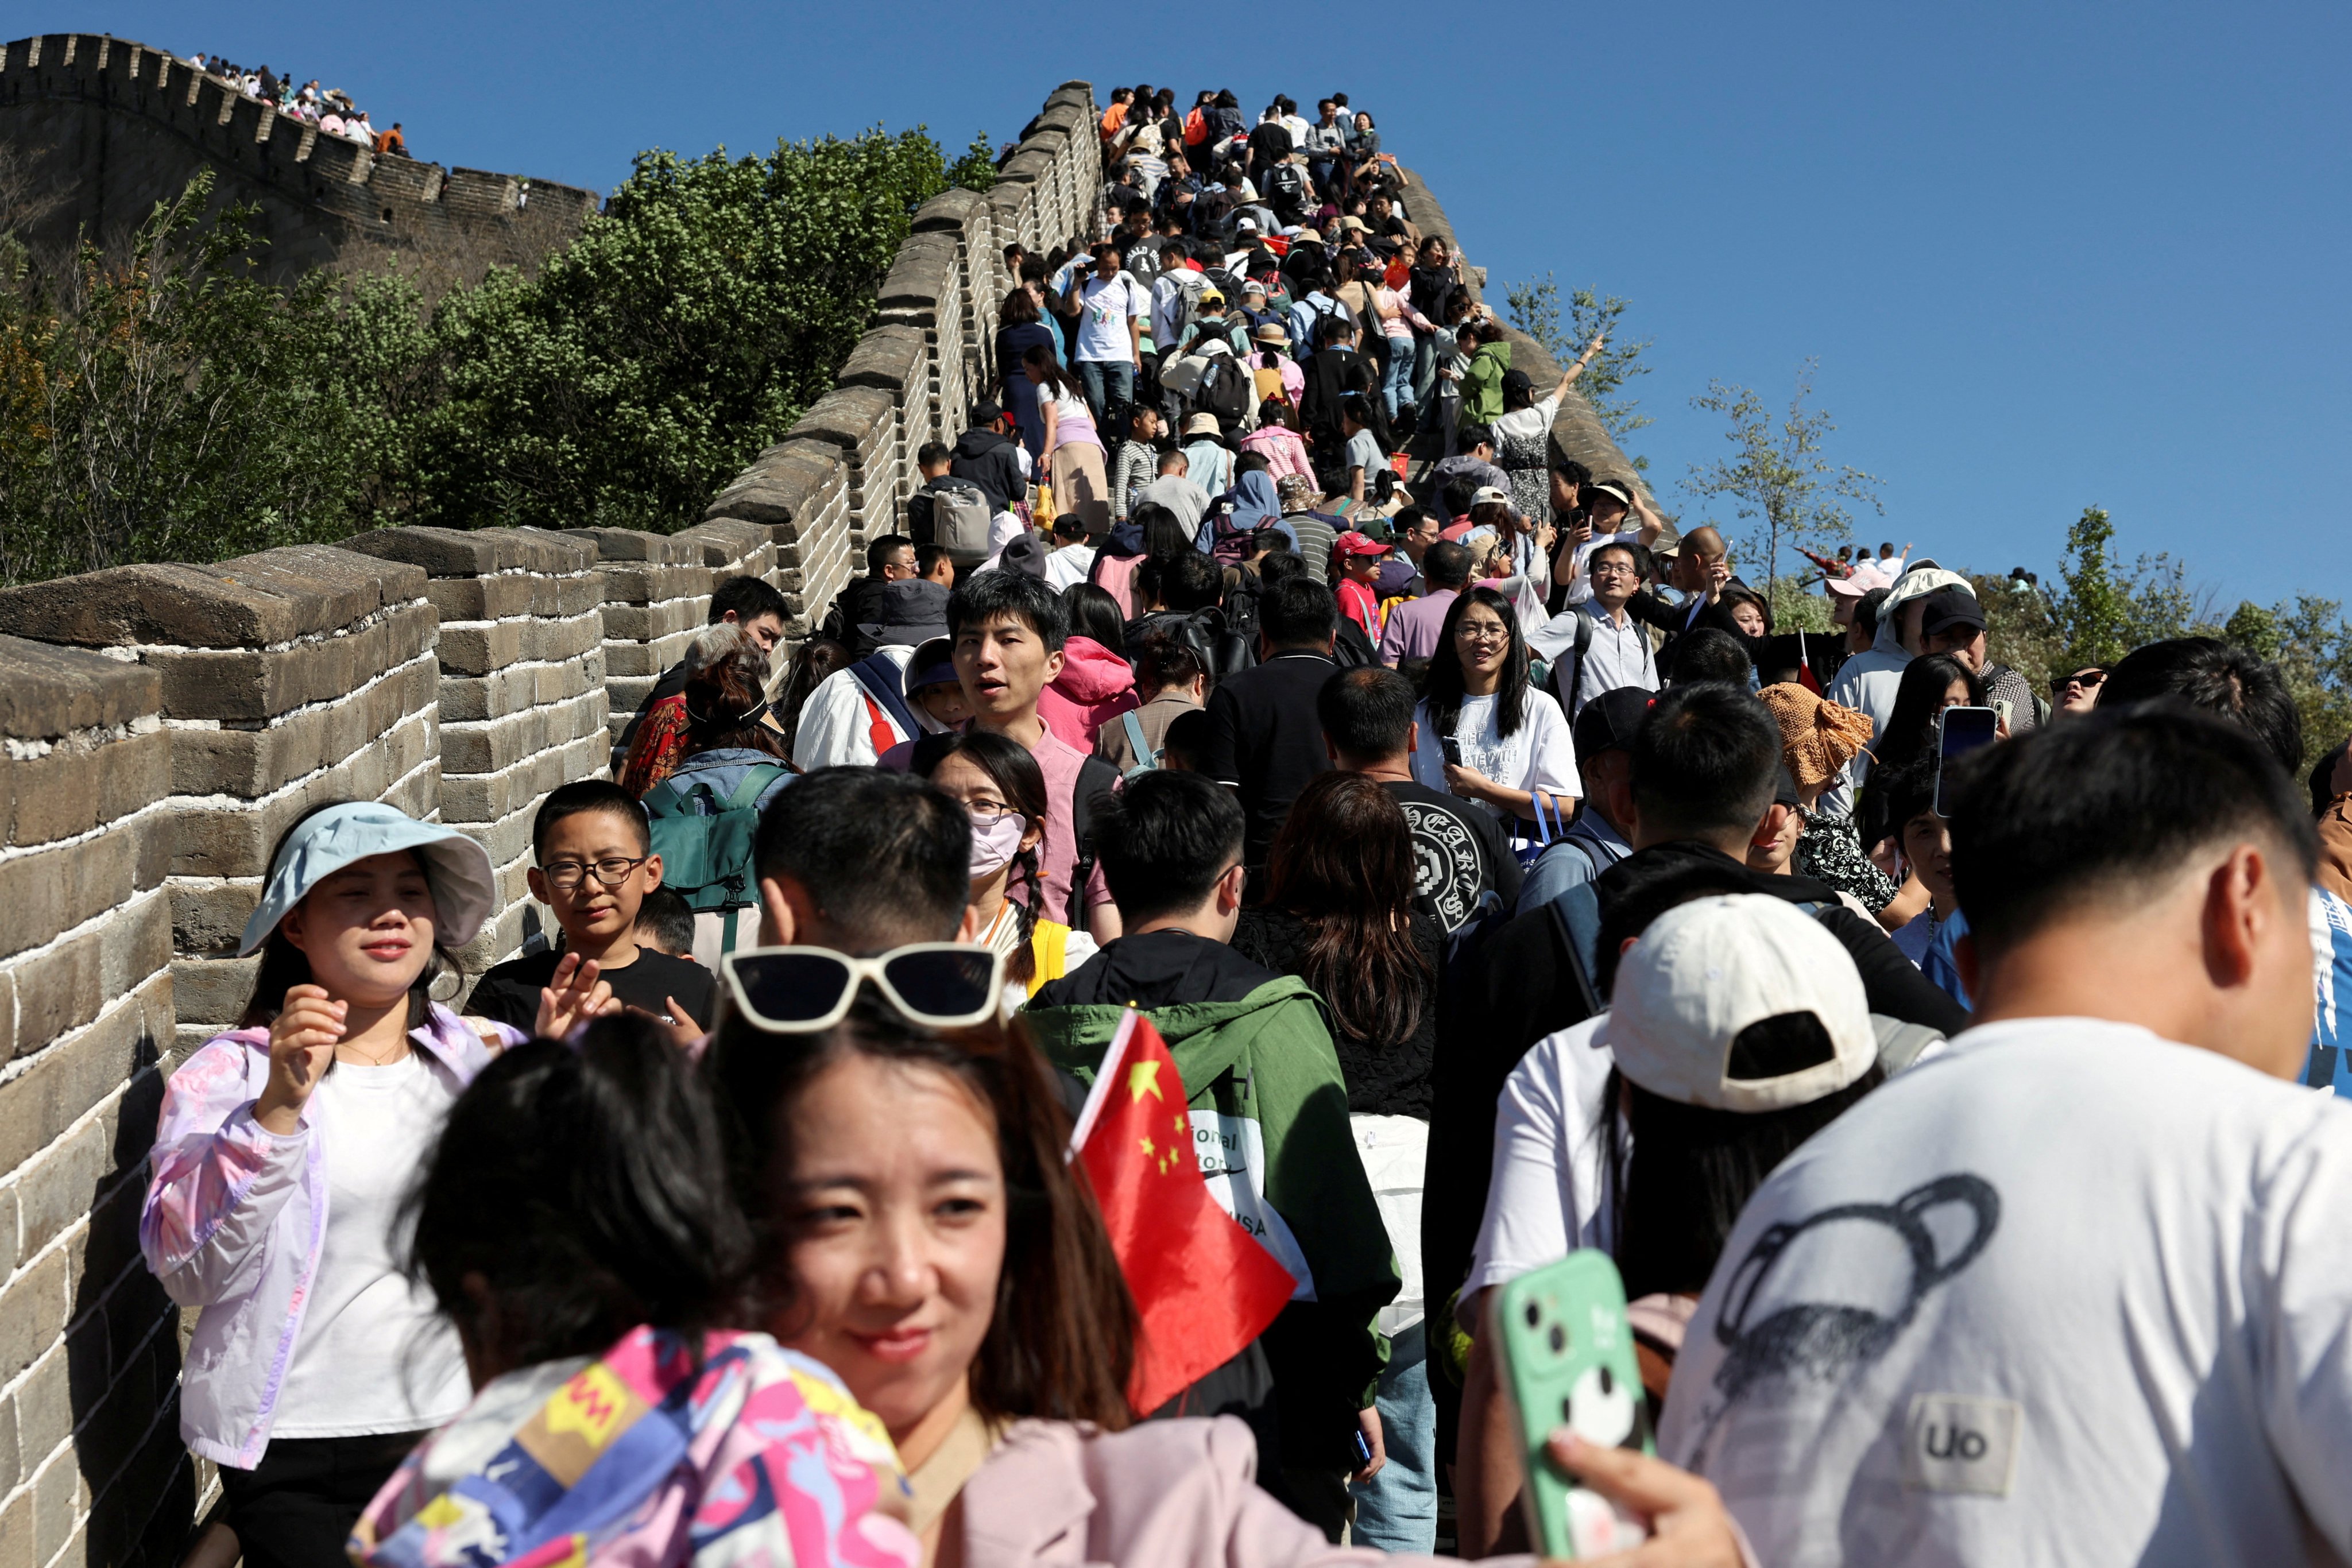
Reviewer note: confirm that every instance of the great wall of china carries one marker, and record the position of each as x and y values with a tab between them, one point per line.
161	724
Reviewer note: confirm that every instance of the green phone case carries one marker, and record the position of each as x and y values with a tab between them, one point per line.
1566	1354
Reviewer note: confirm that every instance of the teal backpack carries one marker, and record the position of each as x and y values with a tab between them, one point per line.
706	846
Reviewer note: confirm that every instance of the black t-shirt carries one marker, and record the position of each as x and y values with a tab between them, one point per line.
510	992
1265	740
1458	852
1270	141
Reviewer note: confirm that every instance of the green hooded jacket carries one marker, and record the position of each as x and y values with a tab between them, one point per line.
1482	383
1269	1113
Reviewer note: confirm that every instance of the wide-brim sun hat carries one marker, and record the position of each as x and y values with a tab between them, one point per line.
1703	974
465	889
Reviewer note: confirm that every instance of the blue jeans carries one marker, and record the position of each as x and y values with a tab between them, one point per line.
1396	1511
1114	376
1396	387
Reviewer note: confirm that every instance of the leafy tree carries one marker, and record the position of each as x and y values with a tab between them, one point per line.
1534	308
171	404
1779	476
687	326
976	170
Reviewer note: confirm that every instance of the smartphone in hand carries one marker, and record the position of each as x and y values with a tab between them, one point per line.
1566	1353
1959	731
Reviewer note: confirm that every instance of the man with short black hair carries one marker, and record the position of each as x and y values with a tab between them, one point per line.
1413	627
750	602
1595	841
2119	1335
1073	559
1264	740
1709	654
992	460
1954	622
2222	678
1596	645
1474	462
1008	629
889	558
862	861
932	564
1462	863
1260	1075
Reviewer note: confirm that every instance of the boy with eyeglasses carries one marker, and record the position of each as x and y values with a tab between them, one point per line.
595	864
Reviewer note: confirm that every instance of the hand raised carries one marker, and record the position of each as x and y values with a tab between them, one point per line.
572	996
302	1043
678	1027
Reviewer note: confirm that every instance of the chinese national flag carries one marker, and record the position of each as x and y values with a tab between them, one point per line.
1204	1286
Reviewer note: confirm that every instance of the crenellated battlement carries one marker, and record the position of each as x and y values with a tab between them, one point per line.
106	128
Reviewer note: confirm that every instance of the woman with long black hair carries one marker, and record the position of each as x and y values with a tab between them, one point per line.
1488	735
1340	914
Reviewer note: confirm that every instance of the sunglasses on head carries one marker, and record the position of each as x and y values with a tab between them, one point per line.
801	990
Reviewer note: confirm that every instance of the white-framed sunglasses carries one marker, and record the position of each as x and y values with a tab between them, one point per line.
801	990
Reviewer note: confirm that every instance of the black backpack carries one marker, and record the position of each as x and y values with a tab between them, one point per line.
1226	393
1569	668
1097	778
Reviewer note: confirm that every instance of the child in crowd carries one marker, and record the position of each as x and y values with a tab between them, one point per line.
575	1226
596	863
283	1152
666	924
1904	802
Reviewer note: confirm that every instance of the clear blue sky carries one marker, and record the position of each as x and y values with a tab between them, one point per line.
2048	255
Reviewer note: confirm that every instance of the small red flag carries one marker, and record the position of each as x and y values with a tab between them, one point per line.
1805	677
1204	1286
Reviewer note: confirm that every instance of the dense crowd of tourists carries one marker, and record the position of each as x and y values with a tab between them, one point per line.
1266	766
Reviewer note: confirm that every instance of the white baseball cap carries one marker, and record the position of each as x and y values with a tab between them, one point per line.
1705	973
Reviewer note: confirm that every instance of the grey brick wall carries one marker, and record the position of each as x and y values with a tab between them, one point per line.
161	726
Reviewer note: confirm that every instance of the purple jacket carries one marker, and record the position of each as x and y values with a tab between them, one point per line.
234	1221
1165	1494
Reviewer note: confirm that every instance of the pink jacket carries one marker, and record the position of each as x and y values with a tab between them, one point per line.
1166	1494
1283	448
234	1222
1095	685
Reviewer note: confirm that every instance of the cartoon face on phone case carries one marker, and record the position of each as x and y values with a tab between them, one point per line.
1567	1357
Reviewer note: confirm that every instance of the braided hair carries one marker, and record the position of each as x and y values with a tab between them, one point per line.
1022	785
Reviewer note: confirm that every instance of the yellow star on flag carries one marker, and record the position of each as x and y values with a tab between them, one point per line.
1144	1078
1148	1149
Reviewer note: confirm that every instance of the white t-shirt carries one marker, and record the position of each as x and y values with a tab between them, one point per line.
2069	1293
1540	1206
1540	755
373	1356
1104	311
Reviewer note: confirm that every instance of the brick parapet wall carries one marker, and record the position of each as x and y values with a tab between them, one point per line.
112	126
842	476
162	725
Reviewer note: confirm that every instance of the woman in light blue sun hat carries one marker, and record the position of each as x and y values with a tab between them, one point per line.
285	1150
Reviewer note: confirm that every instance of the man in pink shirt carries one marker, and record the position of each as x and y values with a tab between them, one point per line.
1413	626
1008	629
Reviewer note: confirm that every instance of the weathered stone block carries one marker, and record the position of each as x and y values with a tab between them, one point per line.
46	692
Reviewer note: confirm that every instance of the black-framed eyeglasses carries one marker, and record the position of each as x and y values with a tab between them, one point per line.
565	876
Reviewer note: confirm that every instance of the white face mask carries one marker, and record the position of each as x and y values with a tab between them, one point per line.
993	846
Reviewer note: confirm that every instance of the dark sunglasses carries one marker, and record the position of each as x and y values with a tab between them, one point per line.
801	990
2086	679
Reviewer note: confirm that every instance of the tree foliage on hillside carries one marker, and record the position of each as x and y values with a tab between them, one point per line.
1534	308
2102	608
168	404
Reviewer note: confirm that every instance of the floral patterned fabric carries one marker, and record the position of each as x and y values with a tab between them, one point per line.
1830	851
756	1458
